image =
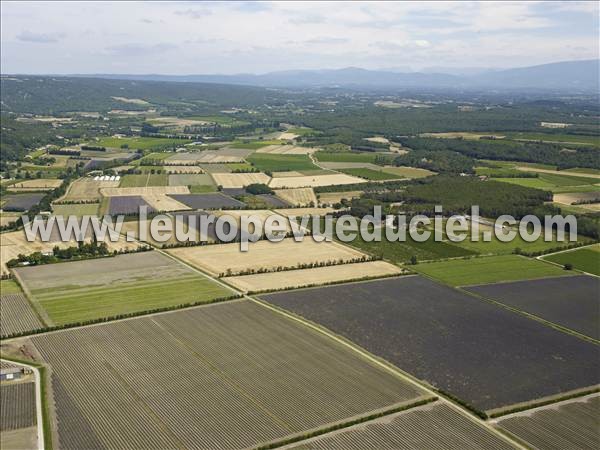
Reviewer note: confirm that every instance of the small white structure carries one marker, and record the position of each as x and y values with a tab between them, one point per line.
112	178
96	178
118	177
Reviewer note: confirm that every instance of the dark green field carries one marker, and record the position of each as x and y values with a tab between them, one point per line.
268	162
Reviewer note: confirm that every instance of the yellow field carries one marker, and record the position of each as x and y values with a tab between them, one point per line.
286	150
262	214
164	203
239	180
314	181
144	191
87	189
331	198
572	197
311	277
297	197
8	217
218	259
298	212
289	173
41	184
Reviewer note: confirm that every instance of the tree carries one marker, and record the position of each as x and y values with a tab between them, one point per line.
413	260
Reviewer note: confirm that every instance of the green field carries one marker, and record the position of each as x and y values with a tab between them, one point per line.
191	179
490	269
9	287
88	303
586	259
154	157
202	188
157	179
268	162
239	166
555	183
371	174
84	209
139	143
227	121
345	157
550	137
254	145
401	252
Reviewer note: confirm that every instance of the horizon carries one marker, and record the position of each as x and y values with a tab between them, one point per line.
230	38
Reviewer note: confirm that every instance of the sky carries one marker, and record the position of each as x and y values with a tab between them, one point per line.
257	37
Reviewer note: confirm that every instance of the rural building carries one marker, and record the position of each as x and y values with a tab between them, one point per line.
10	373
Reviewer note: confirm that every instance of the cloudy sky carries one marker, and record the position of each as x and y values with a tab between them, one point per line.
235	37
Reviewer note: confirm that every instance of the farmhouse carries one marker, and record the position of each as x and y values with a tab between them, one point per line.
10	373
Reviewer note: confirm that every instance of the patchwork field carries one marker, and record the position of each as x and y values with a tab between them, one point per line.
314	181
86	290
585	259
286	149
239	180
270	162
435	426
17	315
555	182
18	406
87	189
127	205
274	281
218	259
156	196
299	212
297	197
447	338
182	169
371	174
491	269
570	424
572	302
149	179
331	198
269	373
349	165
139	143
35	185
20	202
191	180
207	156
207	201
364	157
82	209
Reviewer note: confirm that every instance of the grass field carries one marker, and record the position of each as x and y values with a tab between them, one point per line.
555	183
9	287
551	137
154	157
86	290
585	259
346	157
160	179
408	172
83	209
492	269
139	143
371	174
272	162
254	145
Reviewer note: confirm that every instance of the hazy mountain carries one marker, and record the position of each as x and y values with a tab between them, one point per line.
573	76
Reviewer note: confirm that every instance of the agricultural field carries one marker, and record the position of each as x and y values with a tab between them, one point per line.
241	370
489	269
174	170
87	189
585	259
299	212
17	407
274	281
370	174
149	179
556	183
431	426
263	254
79	291
207	157
286	150
572	302
255	145
79	210
349	165
6	218
446	337
20	202
9	286
331	198
569	424
17	315
314	181
139	143
208	201
271	162
127	205
407	172
297	197
560	138
463	135
155	196
365	157
239	180
191	179
35	185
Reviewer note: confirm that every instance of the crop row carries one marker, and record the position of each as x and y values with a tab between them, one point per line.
17	408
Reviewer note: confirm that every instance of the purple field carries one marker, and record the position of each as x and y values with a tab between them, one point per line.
127	205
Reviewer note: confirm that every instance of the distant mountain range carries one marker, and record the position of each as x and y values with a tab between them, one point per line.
568	76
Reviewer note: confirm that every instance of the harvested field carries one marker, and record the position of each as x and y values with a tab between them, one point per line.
297	197
370	174
17	315
572	302
289	173
261	214
207	156
286	150
191	180
144	191
127	205
217	259
485	355
314	181
571	424
573	197
378	139
492	269
8	218
20	202
182	169
239	180
435	426
147	179
35	185
91	289
331	198
22	438
17	408
585	259
299	212
87	189
275	281
79	210
218	168
243	370
164	203
208	201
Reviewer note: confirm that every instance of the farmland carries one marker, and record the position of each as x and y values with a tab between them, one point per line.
149	179
297	197
35	185
584	259
219	259
570	424
571	302
17	315
17	406
271	162
243	370
370	174
367	157
431	426
490	269
207	201
82	209
446	337
239	180
87	189
87	290
314	181
273	281
555	183
129	204
139	143
330	198
286	150
20	202
190	180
